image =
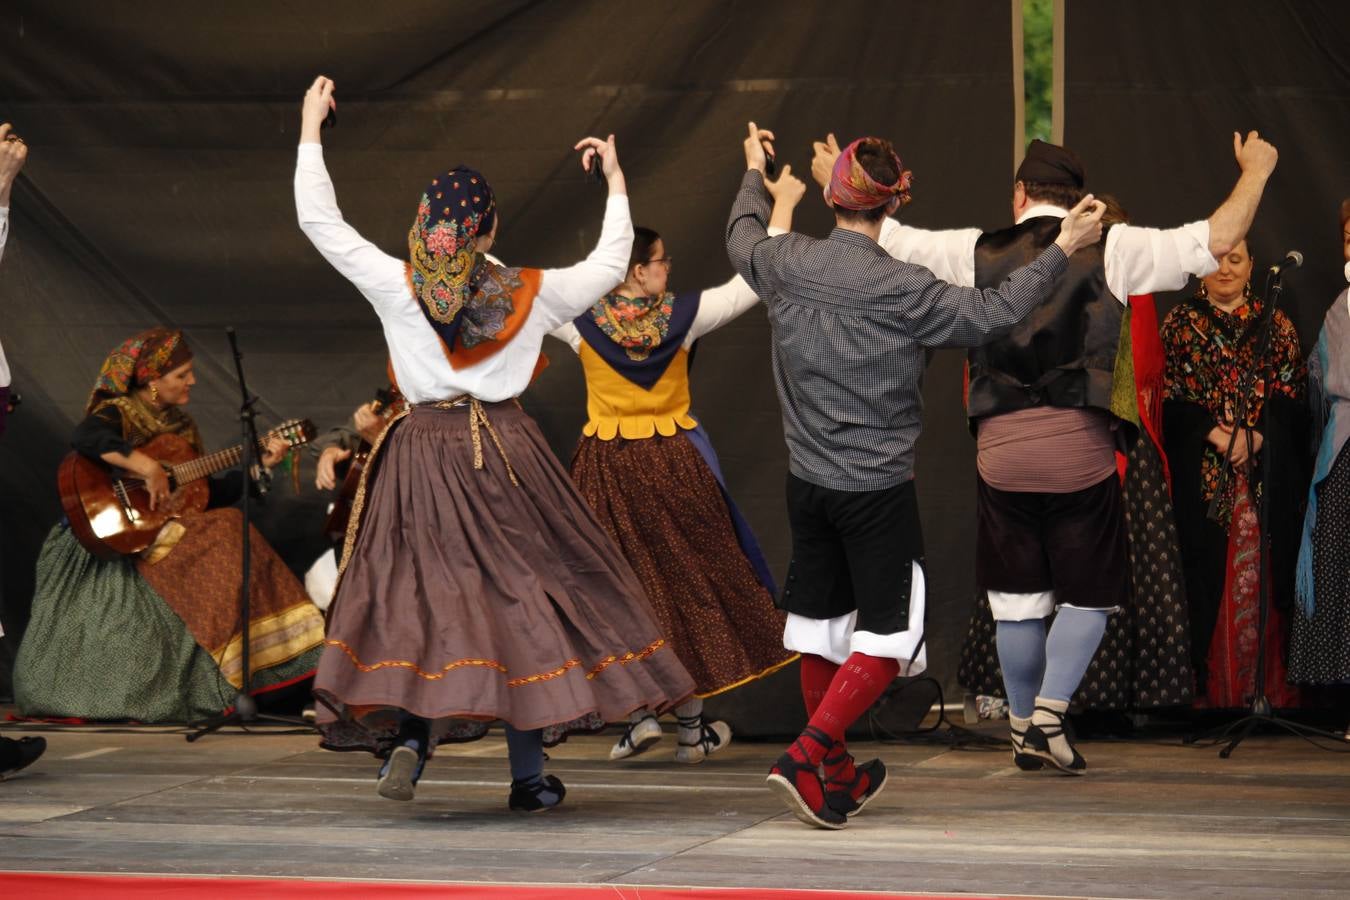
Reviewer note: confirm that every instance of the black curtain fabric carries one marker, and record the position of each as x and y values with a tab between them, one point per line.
159	191
1154	90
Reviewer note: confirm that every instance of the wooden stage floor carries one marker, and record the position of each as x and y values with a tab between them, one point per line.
1152	819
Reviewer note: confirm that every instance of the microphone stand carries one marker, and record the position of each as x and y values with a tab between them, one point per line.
245	709
1260	712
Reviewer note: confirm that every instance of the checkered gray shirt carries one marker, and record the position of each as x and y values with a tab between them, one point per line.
849	327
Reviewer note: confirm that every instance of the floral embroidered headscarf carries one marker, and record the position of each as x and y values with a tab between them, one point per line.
138	361
460	291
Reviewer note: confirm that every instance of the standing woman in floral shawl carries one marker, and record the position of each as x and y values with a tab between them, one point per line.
156	638
1210	342
647	468
1319	651
475	583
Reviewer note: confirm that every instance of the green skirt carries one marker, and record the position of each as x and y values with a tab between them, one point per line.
101	644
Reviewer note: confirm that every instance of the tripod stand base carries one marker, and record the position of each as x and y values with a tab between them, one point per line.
1262	714
244	712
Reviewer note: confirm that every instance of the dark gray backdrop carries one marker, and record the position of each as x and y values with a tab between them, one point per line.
1154	91
159	186
159	190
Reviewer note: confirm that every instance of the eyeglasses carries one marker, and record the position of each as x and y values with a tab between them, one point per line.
667	261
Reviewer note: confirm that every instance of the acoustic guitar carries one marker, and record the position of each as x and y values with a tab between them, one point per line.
387	404
109	509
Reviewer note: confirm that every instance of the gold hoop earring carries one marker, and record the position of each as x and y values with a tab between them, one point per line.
1247	290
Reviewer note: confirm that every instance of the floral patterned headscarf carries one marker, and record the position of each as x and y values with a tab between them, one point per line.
138	361
461	292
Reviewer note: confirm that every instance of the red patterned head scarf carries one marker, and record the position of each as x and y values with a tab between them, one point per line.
852	188
138	361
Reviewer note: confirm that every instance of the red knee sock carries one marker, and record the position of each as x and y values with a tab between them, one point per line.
855	687
817	673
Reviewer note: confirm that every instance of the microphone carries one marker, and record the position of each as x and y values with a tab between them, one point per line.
1292	260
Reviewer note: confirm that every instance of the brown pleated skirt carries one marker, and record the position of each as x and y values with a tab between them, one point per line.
466	597
663	506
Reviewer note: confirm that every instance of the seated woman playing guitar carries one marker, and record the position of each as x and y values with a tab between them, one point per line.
156	636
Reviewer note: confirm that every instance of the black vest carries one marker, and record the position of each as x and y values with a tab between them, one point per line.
1064	353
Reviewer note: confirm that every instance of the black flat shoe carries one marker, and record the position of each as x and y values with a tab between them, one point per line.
840	796
525	797
1038	744
783	781
19	754
1021	758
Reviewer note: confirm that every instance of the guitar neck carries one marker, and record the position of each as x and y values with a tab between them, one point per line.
210	464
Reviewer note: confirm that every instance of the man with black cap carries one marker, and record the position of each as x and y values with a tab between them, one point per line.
1051	531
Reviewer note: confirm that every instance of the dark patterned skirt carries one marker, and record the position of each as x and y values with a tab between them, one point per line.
467	597
1144	658
665	508
1319	649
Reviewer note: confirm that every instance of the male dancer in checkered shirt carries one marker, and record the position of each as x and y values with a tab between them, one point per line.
1051	527
850	325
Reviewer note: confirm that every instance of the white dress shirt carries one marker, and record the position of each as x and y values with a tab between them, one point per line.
424	374
1137	260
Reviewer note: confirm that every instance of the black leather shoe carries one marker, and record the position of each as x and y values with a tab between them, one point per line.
19	754
525	797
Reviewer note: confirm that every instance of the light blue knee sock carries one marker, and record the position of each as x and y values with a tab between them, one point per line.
1073	641
1021	655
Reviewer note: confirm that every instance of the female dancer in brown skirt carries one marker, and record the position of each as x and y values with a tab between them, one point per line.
648	470
475	583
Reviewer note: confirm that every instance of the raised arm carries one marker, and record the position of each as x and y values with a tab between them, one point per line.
722	304
568	334
1145	260
747	235
379	276
13	154
945	315
1229	223
948	254
565	294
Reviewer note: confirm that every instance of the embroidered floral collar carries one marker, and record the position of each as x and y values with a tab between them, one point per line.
637	324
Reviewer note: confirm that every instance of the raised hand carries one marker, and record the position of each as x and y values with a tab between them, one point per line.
314	108
1255	155
13	154
756	143
822	163
787	189
1082	227
609	160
